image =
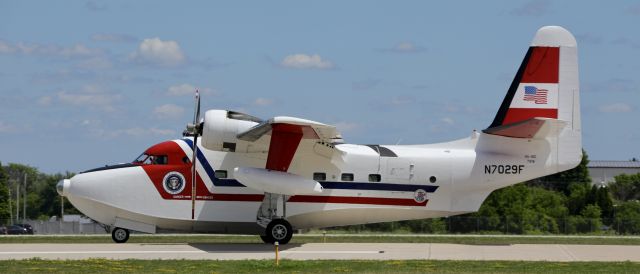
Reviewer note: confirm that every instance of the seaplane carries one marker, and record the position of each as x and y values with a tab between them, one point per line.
233	173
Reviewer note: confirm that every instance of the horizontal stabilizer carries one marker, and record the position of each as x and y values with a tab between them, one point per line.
534	128
272	181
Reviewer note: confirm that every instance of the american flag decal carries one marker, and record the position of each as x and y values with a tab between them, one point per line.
538	96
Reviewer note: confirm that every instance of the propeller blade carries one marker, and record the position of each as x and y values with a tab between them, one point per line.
196	132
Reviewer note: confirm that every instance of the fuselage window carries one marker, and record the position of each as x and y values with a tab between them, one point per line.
347	177
221	174
319	176
160	160
374	177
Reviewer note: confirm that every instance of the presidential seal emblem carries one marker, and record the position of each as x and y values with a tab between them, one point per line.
420	195
173	182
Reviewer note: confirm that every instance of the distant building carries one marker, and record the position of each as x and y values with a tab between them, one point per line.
603	172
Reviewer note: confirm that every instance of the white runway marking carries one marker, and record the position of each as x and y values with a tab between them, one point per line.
328	251
102	252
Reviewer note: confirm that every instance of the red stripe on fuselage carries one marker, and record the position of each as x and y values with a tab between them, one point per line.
355	200
543	66
521	114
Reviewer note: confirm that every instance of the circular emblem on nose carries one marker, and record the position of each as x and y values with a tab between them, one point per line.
173	182
420	195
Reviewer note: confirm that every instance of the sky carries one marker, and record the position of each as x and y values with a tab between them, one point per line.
88	83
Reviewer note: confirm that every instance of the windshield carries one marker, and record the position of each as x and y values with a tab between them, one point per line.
141	158
146	159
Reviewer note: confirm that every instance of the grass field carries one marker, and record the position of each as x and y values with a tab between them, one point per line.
329	266
333	238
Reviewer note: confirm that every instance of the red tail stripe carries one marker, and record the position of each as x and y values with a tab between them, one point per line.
543	66
521	114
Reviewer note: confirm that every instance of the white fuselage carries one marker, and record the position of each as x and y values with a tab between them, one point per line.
456	177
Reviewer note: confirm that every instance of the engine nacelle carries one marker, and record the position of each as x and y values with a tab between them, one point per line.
221	128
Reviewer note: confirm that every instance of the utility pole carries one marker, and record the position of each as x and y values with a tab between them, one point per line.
24	201
61	214
17	202
10	209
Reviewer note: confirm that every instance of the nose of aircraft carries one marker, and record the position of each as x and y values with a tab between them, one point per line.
63	186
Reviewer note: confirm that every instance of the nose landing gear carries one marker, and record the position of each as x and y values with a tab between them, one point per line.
120	235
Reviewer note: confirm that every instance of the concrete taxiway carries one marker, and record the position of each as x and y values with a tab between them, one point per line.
336	251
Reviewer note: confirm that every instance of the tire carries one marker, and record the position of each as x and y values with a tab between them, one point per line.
266	239
279	230
120	235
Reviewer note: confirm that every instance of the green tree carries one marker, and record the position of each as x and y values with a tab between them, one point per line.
604	201
4	196
563	180
576	200
626	187
627	219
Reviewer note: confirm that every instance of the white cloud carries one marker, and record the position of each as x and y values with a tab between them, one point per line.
141	132
90	96
7	128
45	100
533	8
615	108
262	102
75	51
93	6
448	121
402	100
168	111
6	48
158	52
188	89
99	62
303	61
405	47
346	126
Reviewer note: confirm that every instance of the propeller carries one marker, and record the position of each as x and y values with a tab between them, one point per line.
194	130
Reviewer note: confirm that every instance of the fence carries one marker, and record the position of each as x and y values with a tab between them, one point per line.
505	225
57	227
450	225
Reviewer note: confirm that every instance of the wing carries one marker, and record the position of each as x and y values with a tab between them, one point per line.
286	134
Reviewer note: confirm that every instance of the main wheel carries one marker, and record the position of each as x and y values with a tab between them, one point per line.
266	239
278	230
120	235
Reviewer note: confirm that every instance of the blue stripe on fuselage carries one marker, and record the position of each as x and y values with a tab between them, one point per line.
210	171
327	185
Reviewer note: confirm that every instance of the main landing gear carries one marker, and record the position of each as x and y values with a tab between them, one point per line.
278	230
271	216
120	235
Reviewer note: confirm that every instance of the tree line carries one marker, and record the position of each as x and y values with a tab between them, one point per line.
39	189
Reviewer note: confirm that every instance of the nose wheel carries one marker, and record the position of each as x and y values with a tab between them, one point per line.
120	235
278	230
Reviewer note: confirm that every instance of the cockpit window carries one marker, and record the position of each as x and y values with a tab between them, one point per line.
161	160
143	157
151	159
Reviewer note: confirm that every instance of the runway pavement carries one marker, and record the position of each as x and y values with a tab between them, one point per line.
337	251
